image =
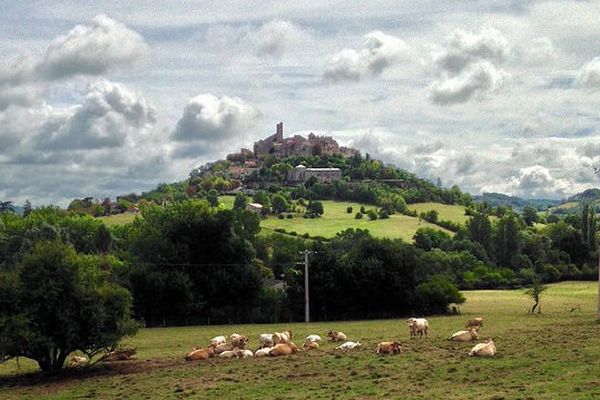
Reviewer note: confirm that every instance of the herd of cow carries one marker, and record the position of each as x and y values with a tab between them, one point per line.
280	343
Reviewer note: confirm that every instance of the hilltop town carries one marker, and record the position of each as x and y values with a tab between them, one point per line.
248	161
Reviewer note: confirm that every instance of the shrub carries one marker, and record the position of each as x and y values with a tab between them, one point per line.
372	215
358	215
280	216
305	235
362	210
438	292
293	233
280	230
349	210
290	216
383	213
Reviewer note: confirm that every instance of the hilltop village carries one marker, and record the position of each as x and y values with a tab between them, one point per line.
247	162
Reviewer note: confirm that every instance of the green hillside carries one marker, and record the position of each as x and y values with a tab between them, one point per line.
447	212
336	219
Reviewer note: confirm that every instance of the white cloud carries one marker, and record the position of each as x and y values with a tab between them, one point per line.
381	52
209	121
479	78
91	49
275	37
108	117
589	74
465	48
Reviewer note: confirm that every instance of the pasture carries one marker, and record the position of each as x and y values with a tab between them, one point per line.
336	219
446	212
555	355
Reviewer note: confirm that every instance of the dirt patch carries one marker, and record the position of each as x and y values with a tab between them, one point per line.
68	375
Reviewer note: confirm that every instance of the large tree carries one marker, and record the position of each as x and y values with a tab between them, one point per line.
56	301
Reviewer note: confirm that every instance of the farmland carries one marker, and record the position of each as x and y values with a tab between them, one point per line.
549	356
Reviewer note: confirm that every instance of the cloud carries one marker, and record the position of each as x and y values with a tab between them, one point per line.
466	68
91	49
275	37
209	121
479	78
589	74
381	52
465	48
108	117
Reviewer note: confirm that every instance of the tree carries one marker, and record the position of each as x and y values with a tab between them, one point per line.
213	198
279	204
508	240
57	301
315	207
535	292
6	206
27	208
530	215
241	201
480	230
262	197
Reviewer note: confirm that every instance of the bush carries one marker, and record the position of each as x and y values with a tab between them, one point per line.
372	215
362	210
280	230
280	216
430	216
57	302
438	292
293	233
349	210
305	235
383	214
358	215
290	216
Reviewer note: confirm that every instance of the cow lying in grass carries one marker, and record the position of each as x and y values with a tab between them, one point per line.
464	336
201	354
389	348
283	349
336	336
487	349
475	323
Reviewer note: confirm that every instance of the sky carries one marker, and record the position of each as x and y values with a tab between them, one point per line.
104	98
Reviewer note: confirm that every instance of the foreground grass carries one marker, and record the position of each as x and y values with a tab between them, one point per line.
554	355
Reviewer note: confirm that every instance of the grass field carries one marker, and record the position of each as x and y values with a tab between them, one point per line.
118	219
446	212
336	219
555	355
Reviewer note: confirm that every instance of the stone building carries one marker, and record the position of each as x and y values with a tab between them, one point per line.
298	145
327	175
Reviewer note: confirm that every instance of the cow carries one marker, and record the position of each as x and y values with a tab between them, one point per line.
313	338
119	355
475	323
229	353
487	349
78	361
224	347
283	349
389	348
238	340
418	326
336	336
282	337
241	353
464	336
201	354
217	340
348	346
308	345
266	340
265	351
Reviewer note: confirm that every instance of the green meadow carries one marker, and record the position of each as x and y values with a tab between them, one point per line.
553	355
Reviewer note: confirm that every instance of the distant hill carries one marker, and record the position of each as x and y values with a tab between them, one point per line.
586	195
517	203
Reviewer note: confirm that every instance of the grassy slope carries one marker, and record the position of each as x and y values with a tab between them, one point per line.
549	356
118	219
336	219
454	213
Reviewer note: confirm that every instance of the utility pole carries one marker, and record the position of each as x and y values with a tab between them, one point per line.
306	286
598	310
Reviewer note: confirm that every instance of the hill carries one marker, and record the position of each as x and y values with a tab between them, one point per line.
517	203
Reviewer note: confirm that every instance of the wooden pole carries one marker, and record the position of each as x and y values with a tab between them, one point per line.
306	289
